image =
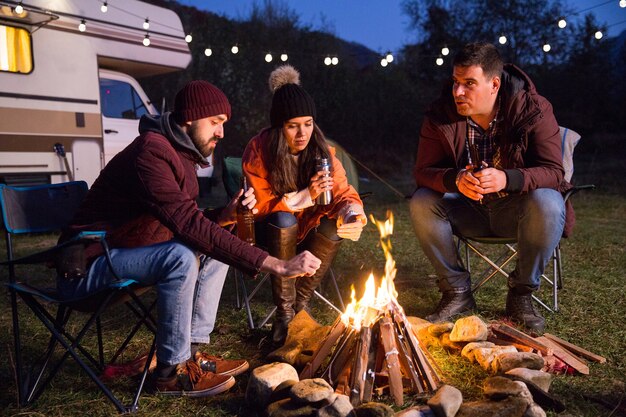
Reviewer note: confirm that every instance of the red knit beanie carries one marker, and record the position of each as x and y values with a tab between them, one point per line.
199	99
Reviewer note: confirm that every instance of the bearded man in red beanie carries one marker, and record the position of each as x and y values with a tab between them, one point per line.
145	200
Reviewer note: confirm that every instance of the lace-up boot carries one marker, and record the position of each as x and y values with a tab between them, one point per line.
452	303
519	306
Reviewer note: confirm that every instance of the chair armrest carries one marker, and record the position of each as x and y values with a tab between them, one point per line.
576	189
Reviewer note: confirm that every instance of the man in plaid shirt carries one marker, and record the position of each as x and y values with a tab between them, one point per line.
489	164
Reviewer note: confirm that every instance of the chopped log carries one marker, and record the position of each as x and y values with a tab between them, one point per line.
406	356
359	369
393	363
505	342
335	331
575	349
565	355
374	362
341	356
520	337
424	366
343	384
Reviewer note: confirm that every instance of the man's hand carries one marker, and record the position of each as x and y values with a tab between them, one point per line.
475	185
304	263
491	180
229	213
352	227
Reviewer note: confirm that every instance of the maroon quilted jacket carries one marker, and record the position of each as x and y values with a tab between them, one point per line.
146	194
531	144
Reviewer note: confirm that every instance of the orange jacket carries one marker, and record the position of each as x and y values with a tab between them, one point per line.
255	169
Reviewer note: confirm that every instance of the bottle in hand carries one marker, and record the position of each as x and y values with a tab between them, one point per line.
323	164
245	218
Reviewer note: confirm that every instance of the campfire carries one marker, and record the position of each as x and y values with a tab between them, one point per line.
371	346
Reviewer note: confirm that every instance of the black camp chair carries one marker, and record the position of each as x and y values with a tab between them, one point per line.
231	173
498	264
46	209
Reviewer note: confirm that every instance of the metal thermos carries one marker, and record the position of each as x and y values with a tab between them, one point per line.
323	164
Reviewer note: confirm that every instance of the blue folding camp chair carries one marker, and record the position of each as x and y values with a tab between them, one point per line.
45	209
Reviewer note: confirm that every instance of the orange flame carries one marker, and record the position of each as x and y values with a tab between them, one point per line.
375	302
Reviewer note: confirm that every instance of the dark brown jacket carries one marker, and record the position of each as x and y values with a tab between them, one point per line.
146	194
530	147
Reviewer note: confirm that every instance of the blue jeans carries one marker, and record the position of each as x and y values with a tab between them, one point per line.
535	219
188	291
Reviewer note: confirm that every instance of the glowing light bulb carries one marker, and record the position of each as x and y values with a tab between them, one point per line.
445	51
208	52
327	61
146	40
502	39
283	57
188	38
598	35
622	3
383	62
268	57
146	24
562	23
234	49
439	61
19	9
104	7
546	47
83	26
335	60
389	57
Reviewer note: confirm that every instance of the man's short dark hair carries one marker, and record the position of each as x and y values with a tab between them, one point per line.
484	54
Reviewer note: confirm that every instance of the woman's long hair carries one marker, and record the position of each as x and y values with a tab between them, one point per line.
285	174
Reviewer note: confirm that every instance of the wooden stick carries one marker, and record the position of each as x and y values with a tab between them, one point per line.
565	355
342	385
576	349
322	352
393	364
370	375
359	369
341	356
521	337
406	358
506	342
425	366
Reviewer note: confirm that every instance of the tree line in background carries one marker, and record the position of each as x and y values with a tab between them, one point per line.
375	112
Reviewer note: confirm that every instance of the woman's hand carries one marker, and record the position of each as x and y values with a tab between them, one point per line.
352	226
320	182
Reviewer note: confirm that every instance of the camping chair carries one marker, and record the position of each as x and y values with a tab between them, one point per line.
45	209
231	172
554	278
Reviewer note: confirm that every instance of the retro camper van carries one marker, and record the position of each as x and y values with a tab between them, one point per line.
69	99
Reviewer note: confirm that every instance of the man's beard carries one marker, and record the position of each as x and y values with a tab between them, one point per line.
203	147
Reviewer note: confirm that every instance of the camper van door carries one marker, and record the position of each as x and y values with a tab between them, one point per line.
123	102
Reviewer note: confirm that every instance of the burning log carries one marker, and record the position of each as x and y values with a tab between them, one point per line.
372	346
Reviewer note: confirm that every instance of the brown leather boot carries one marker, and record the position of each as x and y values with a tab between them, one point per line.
325	249
281	243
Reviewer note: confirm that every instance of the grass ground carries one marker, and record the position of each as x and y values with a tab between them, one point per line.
592	316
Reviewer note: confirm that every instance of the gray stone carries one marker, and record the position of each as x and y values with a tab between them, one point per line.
468	350
534	411
440	328
417	323
445	341
469	329
539	378
510	407
484	357
311	391
339	407
373	410
264	379
289	408
506	361
417	411
499	387
446	402
282	390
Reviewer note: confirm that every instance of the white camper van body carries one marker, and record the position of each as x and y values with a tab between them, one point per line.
72	95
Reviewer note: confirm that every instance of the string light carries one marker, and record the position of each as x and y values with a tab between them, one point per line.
445	51
188	38
389	57
562	23
82	26
104	7
327	61
146	24
19	9
268	57
146	40
208	52
502	39
234	49
598	35
384	62
546	47
622	3
284	57
334	60
439	61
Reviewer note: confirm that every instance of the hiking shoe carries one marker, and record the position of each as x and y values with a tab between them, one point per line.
452	304
521	310
191	381
220	366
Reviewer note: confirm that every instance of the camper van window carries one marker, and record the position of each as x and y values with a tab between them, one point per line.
120	100
15	50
